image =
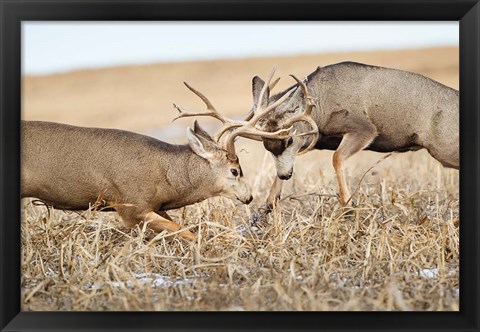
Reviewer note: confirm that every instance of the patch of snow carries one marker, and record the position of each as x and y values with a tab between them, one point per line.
342	283
429	273
154	279
433	273
51	274
158	280
89	285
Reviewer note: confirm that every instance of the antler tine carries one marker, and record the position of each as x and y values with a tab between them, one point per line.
223	130
185	114
273	84
228	124
306	117
202	97
308	99
314	131
265	86
250	115
211	111
314	140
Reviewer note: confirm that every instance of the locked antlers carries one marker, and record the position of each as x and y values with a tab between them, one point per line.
247	128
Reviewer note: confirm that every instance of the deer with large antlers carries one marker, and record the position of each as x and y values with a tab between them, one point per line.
355	107
139	177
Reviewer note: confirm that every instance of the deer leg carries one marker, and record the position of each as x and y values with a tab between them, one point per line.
352	142
164	215
275	192
273	196
156	222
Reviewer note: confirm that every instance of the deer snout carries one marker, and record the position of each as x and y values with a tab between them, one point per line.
243	193
284	166
246	199
286	176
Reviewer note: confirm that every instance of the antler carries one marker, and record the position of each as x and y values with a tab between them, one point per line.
306	116
230	124
249	130
247	127
211	111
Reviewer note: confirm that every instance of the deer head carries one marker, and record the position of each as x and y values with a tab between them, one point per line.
293	110
222	159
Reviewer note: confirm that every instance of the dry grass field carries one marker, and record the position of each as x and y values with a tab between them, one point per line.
396	249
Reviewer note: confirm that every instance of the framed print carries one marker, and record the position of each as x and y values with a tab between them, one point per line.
325	193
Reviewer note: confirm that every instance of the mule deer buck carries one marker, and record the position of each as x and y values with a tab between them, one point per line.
354	107
139	177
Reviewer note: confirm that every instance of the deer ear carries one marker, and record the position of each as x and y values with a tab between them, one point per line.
200	132
200	145
257	85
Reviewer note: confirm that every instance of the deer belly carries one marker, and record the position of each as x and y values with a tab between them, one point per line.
385	144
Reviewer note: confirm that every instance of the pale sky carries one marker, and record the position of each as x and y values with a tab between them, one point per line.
50	47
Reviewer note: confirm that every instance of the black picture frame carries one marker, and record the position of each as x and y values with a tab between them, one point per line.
13	12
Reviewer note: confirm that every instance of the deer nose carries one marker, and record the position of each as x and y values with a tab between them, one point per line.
285	177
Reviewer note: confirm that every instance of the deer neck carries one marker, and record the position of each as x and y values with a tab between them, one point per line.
190	178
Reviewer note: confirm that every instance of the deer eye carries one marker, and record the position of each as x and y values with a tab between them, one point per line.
290	141
234	172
